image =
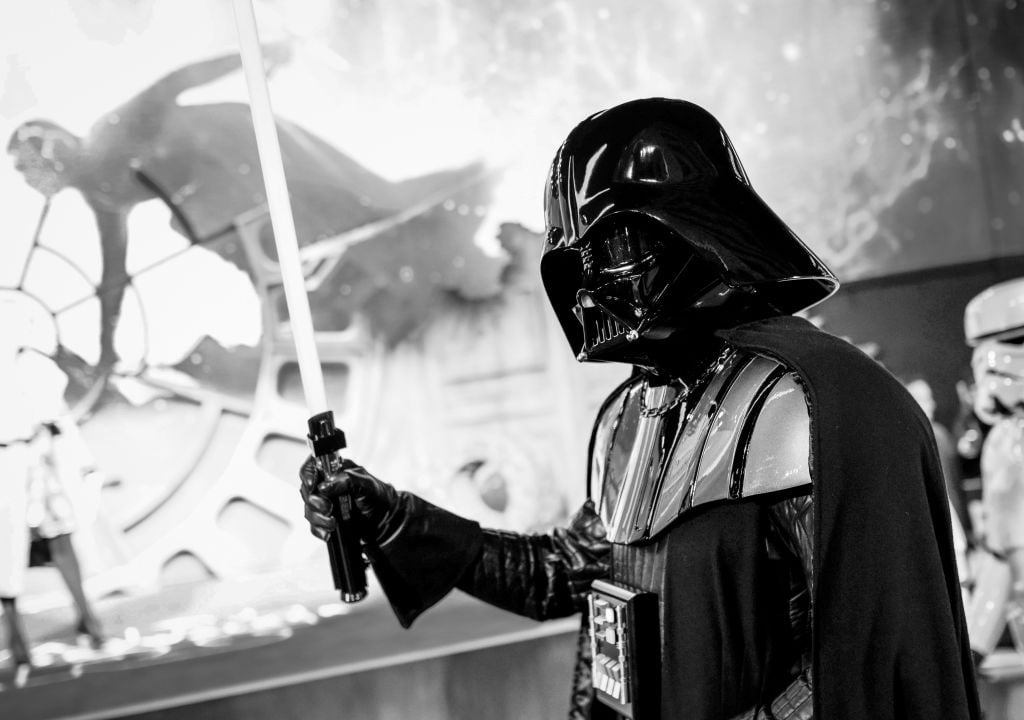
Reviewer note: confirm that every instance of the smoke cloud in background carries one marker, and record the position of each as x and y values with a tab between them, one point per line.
855	118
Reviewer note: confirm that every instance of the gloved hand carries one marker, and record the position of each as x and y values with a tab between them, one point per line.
418	551
378	506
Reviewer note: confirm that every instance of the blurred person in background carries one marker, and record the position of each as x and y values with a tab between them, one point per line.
970	432
38	477
38	519
949	457
921	390
994	327
751	469
55	483
18	428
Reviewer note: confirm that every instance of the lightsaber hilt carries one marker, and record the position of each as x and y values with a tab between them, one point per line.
343	545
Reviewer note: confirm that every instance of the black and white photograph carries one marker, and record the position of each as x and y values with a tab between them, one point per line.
521	360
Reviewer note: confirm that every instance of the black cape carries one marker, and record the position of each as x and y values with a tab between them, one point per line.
889	635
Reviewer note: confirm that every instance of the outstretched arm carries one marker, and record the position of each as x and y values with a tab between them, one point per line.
173	84
541	576
421	552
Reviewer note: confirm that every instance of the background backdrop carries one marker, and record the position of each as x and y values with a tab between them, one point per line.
887	133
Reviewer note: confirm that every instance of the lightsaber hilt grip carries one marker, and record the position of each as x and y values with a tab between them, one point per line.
343	545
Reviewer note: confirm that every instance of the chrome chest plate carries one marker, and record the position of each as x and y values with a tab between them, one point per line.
747	432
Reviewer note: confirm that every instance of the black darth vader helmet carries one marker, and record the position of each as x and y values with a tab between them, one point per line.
653	229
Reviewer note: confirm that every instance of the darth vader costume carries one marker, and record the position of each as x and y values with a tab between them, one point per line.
766	532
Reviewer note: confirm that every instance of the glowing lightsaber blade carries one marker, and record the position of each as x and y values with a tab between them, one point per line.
325	440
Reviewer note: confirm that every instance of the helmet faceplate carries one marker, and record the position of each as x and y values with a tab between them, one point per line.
999	380
994	326
997	312
659	182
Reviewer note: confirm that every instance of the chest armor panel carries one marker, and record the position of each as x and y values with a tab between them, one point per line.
747	432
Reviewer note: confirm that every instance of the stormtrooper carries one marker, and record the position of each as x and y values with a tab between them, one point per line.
994	327
766	533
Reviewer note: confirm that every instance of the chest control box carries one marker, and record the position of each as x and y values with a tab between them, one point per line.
625	650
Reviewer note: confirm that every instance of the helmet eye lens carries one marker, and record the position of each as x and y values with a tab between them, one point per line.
619	250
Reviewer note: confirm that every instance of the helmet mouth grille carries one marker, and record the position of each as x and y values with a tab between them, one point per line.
601	332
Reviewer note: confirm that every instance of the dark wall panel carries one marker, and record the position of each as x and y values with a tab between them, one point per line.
916	320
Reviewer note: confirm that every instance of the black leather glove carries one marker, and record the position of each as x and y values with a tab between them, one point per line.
418	551
376	502
541	576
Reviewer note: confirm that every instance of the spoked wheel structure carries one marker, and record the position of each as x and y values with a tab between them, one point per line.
201	460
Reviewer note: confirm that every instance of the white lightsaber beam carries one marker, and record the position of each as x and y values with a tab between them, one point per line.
343	544
279	204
